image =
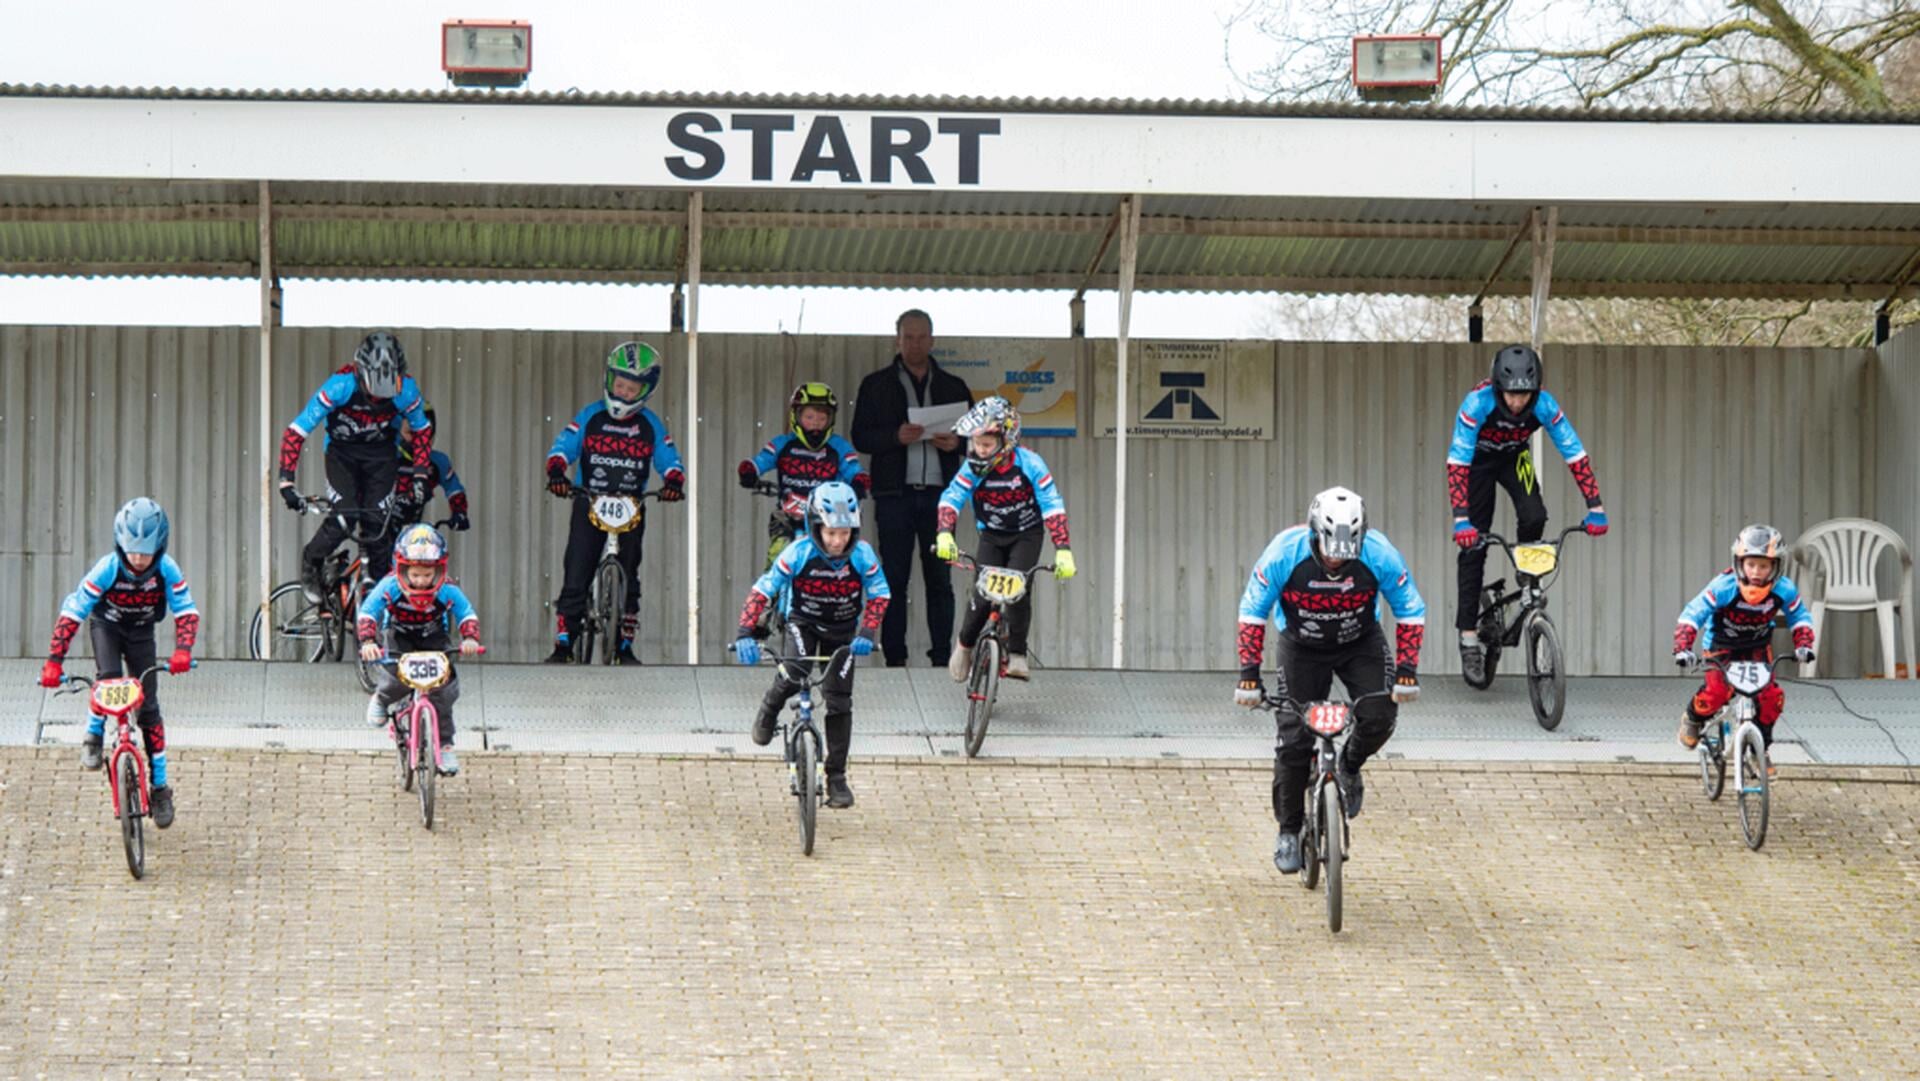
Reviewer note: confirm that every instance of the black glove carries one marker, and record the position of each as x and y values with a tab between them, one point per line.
290	497
672	493
557	482
862	484
749	476
459	521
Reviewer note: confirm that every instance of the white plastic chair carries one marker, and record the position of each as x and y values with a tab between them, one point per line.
1844	556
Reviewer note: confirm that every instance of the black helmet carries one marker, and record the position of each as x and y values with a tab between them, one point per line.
381	364
1516	369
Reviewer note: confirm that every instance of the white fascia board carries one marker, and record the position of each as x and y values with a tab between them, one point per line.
1502	161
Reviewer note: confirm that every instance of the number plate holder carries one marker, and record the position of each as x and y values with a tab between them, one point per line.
614	513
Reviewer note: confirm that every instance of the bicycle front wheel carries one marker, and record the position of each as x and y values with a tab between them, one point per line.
131	834
983	683
1713	767
1333	850
610	599
292	629
426	742
1546	671
1756	789
807	766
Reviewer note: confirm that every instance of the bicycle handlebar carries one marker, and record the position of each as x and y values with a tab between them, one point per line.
967	563
1281	701
811	678
577	492
71	683
1495	538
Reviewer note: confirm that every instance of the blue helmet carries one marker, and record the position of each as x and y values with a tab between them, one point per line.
140	528
833	506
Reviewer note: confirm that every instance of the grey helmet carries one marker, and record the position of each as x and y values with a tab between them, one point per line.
381	364
1338	520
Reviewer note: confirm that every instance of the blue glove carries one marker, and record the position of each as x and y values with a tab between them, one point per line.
747	650
1595	523
861	646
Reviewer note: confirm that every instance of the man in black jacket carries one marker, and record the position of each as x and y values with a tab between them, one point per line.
909	474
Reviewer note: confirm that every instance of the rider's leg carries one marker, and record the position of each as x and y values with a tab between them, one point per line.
107	639
836	691
1522	483
1306	675
1473	561
443	697
584	542
332	530
138	650
1022	550
1772	702
938	576
1713	694
991	550
373	480
632	544
1366	668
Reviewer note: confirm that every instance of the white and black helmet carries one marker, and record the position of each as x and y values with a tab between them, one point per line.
1338	520
381	364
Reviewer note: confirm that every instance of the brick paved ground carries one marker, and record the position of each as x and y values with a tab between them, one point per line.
596	916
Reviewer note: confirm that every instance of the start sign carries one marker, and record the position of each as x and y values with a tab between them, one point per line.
803	148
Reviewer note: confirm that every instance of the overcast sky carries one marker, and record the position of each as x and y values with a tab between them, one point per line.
1041	48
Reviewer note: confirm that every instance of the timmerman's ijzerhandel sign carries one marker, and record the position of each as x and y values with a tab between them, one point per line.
858	148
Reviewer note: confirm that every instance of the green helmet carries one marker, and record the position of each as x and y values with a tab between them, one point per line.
817	396
639	362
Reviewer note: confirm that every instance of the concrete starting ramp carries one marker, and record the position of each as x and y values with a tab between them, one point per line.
919	711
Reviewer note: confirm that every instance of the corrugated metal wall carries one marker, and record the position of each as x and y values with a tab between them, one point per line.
1688	444
1896	397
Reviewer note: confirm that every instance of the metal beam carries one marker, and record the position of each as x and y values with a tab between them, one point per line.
906	221
268	459
692	426
1227	283
1129	263
1541	278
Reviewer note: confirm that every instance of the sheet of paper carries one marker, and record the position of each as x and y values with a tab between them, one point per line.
936	419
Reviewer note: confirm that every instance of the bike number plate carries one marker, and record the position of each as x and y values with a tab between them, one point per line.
1002	584
614	513
1327	718
116	696
1748	677
1535	559
423	671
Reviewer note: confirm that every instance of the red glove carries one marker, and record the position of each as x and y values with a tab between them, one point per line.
51	673
672	493
179	663
1464	534
749	476
862	485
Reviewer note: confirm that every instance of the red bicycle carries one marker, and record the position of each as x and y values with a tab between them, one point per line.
1000	587
415	727
119	697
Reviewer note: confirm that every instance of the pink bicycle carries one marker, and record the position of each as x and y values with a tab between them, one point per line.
415	726
119	698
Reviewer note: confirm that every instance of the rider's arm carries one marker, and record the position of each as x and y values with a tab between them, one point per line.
879	595
450	483
566	445
1261	601
666	456
768	586
1403	599
373	610
464	615
850	467
1053	509
186	615
413	406
1795	609
958	491
1717	595
769	455
79	605
332	395
1554	419
1466	432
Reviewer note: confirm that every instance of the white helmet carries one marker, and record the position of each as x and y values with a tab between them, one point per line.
1339	523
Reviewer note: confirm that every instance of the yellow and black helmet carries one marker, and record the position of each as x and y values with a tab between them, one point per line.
818	396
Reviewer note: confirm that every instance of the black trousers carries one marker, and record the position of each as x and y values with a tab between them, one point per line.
120	650
836	690
908	520
1018	551
388	688
584	543
1514	472
364	487
1307	674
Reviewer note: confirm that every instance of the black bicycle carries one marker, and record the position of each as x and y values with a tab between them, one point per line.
1519	619
1000	587
1325	838
800	739
613	515
294	628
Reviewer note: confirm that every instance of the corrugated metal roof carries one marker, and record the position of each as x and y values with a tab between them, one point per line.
942	103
